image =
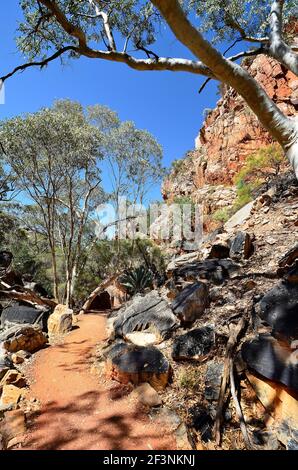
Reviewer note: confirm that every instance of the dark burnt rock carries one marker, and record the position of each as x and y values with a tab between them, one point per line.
137	364
213	270
289	257
213	380
273	359
6	258
279	309
143	312
241	246
219	250
18	313
191	302
193	345
202	422
12	278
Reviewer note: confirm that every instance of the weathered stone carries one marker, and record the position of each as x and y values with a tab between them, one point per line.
142	338
289	257
60	322
13	377
213	380
10	395
240	216
282	404
273	359
241	246
17	313
13	427
147	395
5	365
213	270
23	337
149	311
20	356
219	250
191	302
279	308
202	422
194	345
129	363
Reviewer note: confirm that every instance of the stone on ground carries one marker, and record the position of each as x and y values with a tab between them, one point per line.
60	322
191	302
241	246
194	345
143	312
147	395
136	364
13	377
213	380
23	337
10	395
142	338
273	359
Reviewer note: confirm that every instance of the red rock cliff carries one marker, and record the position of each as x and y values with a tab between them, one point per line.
231	132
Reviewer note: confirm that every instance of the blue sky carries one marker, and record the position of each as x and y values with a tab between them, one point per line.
165	103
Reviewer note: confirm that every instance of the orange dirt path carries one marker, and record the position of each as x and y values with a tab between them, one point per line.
78	410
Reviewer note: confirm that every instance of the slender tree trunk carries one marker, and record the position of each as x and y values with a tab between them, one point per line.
55	275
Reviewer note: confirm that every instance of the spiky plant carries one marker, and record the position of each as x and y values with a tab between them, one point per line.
136	280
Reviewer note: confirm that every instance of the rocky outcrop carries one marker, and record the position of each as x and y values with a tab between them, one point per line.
191	302
20	313
229	134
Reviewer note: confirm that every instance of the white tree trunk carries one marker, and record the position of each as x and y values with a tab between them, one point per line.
292	151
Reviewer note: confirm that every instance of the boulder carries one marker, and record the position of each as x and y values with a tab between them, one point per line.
289	257
194	345
213	270
6	258
202	422
213	380
18	313
20	356
143	312
13	377
191	302
239	217
272	359
147	395
279	308
241	246
282	404
10	395
23	337
219	250
129	363
60	322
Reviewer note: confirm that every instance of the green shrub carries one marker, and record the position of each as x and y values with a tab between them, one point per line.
188	379
136	280
221	215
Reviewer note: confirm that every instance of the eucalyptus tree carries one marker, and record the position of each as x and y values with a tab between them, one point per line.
54	156
125	31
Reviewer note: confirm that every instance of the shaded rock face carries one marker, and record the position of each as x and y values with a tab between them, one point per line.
6	258
213	270
17	313
279	308
241	246
273	359
193	345
23	337
202	422
149	311
129	363
191	302
213	380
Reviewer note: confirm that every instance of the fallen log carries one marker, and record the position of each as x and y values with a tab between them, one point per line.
231	345
26	295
